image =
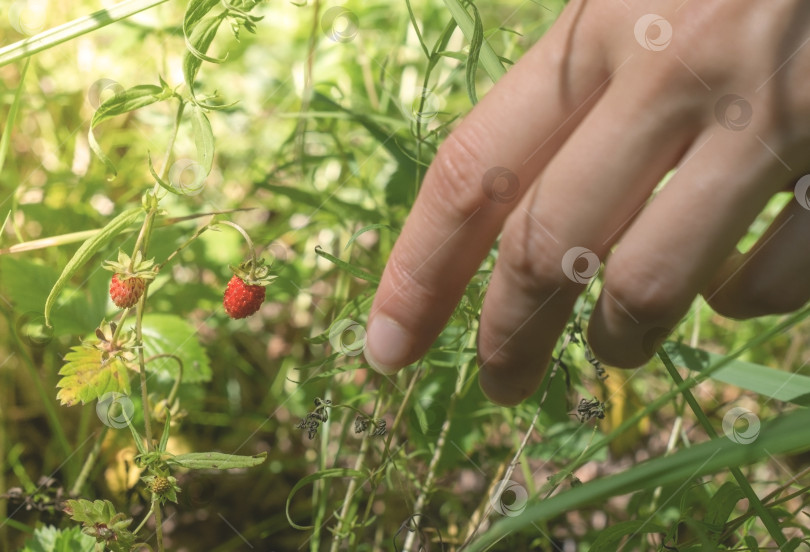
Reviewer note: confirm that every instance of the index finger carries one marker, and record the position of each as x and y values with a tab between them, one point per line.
477	178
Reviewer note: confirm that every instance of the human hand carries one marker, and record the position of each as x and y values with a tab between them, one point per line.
562	156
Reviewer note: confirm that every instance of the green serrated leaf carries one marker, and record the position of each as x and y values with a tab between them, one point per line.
123	102
331	473
86	511
86	377
101	521
353	270
87	250
51	539
203	139
170	334
216	460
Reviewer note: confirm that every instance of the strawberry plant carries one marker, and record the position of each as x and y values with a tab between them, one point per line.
131	344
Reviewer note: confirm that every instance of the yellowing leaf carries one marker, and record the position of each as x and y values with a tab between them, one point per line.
87	377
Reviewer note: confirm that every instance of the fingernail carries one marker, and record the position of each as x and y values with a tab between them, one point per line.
387	345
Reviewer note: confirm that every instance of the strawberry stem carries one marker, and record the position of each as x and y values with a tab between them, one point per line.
253	260
188	242
120	325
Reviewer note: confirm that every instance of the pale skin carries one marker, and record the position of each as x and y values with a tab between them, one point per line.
589	121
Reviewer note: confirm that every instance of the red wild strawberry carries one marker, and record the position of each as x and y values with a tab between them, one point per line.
129	278
242	299
126	292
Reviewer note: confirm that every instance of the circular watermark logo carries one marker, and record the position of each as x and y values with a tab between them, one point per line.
741	425
509	498
187	177
32	330
733	112
115	409
580	265
802	191
653	32
102	90
501	185
28	16
340	24
347	337
425	106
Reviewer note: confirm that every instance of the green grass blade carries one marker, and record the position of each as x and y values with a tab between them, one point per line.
87	250
476	42
12	117
353	270
764	515
788	433
770	382
489	59
72	29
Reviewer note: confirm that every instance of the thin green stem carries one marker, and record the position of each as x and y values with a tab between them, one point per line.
89	462
320	488
254	260
344	527
158	526
188	242
120	324
144	520
767	519
177	380
427	487
142	245
375	478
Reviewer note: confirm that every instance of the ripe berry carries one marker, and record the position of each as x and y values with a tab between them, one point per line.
125	293
242	299
129	278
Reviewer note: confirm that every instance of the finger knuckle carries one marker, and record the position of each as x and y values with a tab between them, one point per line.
457	172
412	288
530	259
648	297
